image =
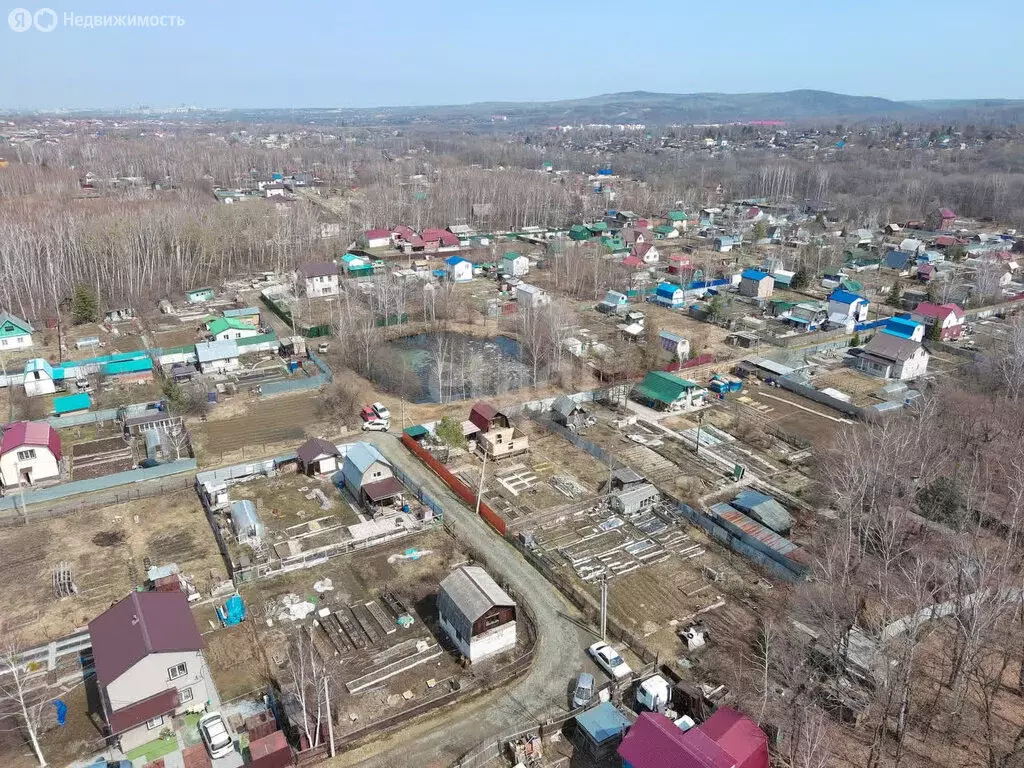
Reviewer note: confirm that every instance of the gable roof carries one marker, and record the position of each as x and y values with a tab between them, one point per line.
654	741
564	405
363	455
667	290
209	351
30	433
889	347
938	311
377	234
663	387
7	317
903	327
473	592
845	297
897	259
314	447
453	260
318	269
221	324
141	624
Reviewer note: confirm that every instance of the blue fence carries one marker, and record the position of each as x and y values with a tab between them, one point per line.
78	419
132	476
871	324
300	384
425	498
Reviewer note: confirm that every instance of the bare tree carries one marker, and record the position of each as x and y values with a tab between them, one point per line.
24	698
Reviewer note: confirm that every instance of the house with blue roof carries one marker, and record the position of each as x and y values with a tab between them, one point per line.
368	476
458	269
669	295
899	261
846	308
756	284
39	378
904	328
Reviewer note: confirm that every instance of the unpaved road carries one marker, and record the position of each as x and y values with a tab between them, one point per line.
440	739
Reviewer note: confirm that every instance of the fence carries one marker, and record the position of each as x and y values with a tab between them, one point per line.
496	521
80	419
309	331
300	384
424	498
130	477
593	449
820	397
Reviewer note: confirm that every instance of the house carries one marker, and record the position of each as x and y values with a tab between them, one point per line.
148	657
678	263
368	476
904	328
911	245
756	284
669	295
725	243
317	456
665	232
498	437
632	236
892	357
531	297
458	269
678	219
462	231
217	356
199	295
846	308
248	315
899	261
676	347
646	252
29	452
949	317
941	220
893	228
440	238
636	498
568	413
376	238
765	510
727	739
39	378
579	233
808	315
665	392
15	333
515	264
225	328
477	614
70	405
319	279
614	303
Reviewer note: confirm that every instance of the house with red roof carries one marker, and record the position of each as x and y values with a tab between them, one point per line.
941	220
29	452
440	238
377	238
727	739
949	317
646	252
149	663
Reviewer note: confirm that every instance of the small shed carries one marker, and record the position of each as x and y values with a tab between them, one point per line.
485	416
270	751
765	510
599	730
199	295
634	499
317	456
245	521
568	412
756	284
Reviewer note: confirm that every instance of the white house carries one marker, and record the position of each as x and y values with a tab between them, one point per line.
377	238
29	452
458	269
477	614
531	297
893	357
39	378
217	356
646	252
320	279
515	264
226	328
675	346
15	333
847	308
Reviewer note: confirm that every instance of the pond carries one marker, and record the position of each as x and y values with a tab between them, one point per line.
438	367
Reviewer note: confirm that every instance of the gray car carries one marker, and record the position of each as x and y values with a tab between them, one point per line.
584	690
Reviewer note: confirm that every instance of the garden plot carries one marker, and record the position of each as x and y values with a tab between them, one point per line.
98	458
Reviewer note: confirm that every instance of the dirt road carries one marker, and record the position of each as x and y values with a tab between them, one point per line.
561	650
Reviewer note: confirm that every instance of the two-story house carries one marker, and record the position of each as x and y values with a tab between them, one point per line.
319	279
149	662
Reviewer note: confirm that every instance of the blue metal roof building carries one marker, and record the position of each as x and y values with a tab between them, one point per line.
845	297
71	403
903	327
603	723
753	274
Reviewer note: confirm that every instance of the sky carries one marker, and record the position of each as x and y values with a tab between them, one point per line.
318	53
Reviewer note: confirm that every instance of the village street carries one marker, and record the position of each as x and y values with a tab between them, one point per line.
560	652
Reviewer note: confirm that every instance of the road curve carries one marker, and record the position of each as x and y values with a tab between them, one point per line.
440	739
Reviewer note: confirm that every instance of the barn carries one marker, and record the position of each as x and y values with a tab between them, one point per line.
477	614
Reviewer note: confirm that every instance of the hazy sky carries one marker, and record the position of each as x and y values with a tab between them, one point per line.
293	53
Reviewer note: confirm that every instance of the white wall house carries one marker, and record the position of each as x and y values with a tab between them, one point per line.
217	356
30	451
15	333
39	378
515	264
320	279
477	614
458	269
892	357
531	297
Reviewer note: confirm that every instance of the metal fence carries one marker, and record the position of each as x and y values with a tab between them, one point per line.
593	449
424	498
80	419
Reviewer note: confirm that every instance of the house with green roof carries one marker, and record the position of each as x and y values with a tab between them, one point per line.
579	232
597	227
665	392
665	232
613	244
229	328
677	216
15	333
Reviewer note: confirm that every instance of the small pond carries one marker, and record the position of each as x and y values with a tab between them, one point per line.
438	367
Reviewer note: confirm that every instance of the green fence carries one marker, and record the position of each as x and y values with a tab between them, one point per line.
309	331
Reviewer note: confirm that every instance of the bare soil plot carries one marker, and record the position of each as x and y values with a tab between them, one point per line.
262	426
792	414
106	549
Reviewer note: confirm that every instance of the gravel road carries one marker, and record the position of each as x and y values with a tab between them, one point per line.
560	654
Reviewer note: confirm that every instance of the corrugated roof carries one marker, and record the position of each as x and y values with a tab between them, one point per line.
473	592
732	517
208	351
78	402
663	387
314	447
221	324
765	510
141	624
890	347
119	367
845	297
753	274
603	722
140	712
30	433
383	489
363	455
320	269
654	741
243	312
564	405
634	495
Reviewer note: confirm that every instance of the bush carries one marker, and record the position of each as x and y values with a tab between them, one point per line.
85	307
449	431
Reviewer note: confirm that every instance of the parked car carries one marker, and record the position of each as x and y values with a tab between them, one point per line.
584	690
609	660
376	425
368	413
382	411
322	347
216	736
148	463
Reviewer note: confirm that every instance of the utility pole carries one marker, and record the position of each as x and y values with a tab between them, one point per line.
604	607
700	421
330	723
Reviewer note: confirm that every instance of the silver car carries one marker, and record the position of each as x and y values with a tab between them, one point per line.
584	690
216	736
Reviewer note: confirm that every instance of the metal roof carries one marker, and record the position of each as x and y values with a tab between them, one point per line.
564	405
663	387
314	447
603	722
79	402
765	510
770	365
7	317
753	274
32	433
631	497
208	351
845	297
363	455
473	592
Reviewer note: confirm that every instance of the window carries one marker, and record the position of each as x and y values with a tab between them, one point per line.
156	722
3	342
178	670
377	473
27	455
185	694
493	621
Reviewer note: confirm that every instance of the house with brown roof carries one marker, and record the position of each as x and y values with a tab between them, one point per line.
149	663
317	456
893	357
498	437
319	279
